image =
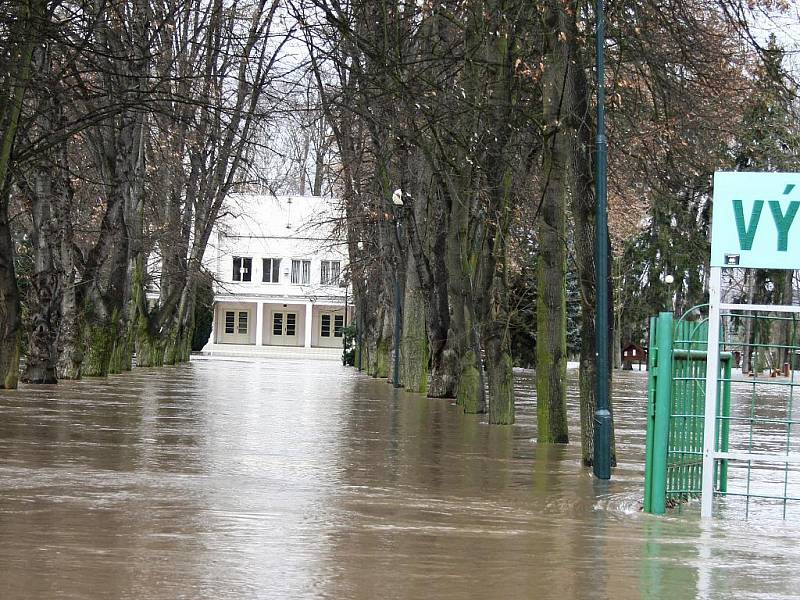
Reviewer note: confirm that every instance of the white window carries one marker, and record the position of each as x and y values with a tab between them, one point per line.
325	329
301	271
232	325
284	324
329	272
271	271
242	268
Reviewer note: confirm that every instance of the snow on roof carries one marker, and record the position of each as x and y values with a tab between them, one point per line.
264	215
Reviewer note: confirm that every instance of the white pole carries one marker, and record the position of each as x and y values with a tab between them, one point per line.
712	373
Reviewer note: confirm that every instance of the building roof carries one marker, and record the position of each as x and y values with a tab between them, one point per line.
262	215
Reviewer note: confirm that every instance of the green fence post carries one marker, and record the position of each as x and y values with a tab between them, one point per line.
652	352
663	401
725	425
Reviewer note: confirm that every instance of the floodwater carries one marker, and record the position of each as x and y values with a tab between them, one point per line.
282	479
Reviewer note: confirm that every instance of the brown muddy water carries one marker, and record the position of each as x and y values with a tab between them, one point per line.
285	479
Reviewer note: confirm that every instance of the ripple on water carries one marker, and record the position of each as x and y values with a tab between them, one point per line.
290	479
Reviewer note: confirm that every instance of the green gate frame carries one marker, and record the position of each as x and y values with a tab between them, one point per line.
676	412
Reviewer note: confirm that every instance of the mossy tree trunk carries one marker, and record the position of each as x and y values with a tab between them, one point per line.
500	371
99	335
551	314
414	355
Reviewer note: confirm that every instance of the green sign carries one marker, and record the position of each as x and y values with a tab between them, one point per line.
753	220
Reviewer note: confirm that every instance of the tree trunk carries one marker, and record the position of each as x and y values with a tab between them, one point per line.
444	363
414	355
499	364
551	314
44	302
10	332
21	41
381	354
69	343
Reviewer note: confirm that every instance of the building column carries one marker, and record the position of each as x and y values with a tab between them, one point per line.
307	326
259	323
212	338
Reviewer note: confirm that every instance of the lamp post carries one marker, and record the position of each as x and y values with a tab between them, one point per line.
360	324
397	201
344	282
602	415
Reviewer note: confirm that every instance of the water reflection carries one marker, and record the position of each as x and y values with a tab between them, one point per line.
284	479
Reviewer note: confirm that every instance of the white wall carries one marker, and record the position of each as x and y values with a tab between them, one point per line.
256	227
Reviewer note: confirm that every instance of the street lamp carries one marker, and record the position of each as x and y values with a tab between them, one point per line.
344	282
602	415
397	201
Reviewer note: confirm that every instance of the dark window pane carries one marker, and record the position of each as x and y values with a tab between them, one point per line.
338	325
276	270
277	324
247	269
229	321
237	268
242	323
325	329
291	320
324	272
266	270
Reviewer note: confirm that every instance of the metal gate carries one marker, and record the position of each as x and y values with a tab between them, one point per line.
676	412
752	446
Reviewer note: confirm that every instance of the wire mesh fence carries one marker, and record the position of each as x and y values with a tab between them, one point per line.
764	444
757	429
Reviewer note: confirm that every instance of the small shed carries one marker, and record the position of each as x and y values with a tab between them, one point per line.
633	354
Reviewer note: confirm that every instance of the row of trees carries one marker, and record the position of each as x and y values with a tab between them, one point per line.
124	125
481	113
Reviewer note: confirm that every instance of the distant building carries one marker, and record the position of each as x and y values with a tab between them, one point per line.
633	354
279	268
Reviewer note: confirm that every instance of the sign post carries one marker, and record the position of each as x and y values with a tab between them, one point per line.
753	227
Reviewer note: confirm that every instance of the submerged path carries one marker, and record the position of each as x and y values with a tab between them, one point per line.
287	479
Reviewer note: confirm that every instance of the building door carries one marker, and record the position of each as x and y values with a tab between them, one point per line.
330	330
237	327
284	328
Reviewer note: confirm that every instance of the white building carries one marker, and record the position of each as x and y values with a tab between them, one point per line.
279	273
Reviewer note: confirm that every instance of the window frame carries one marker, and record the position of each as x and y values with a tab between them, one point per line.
338	328
322	325
274	270
301	271
243	262
330	272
